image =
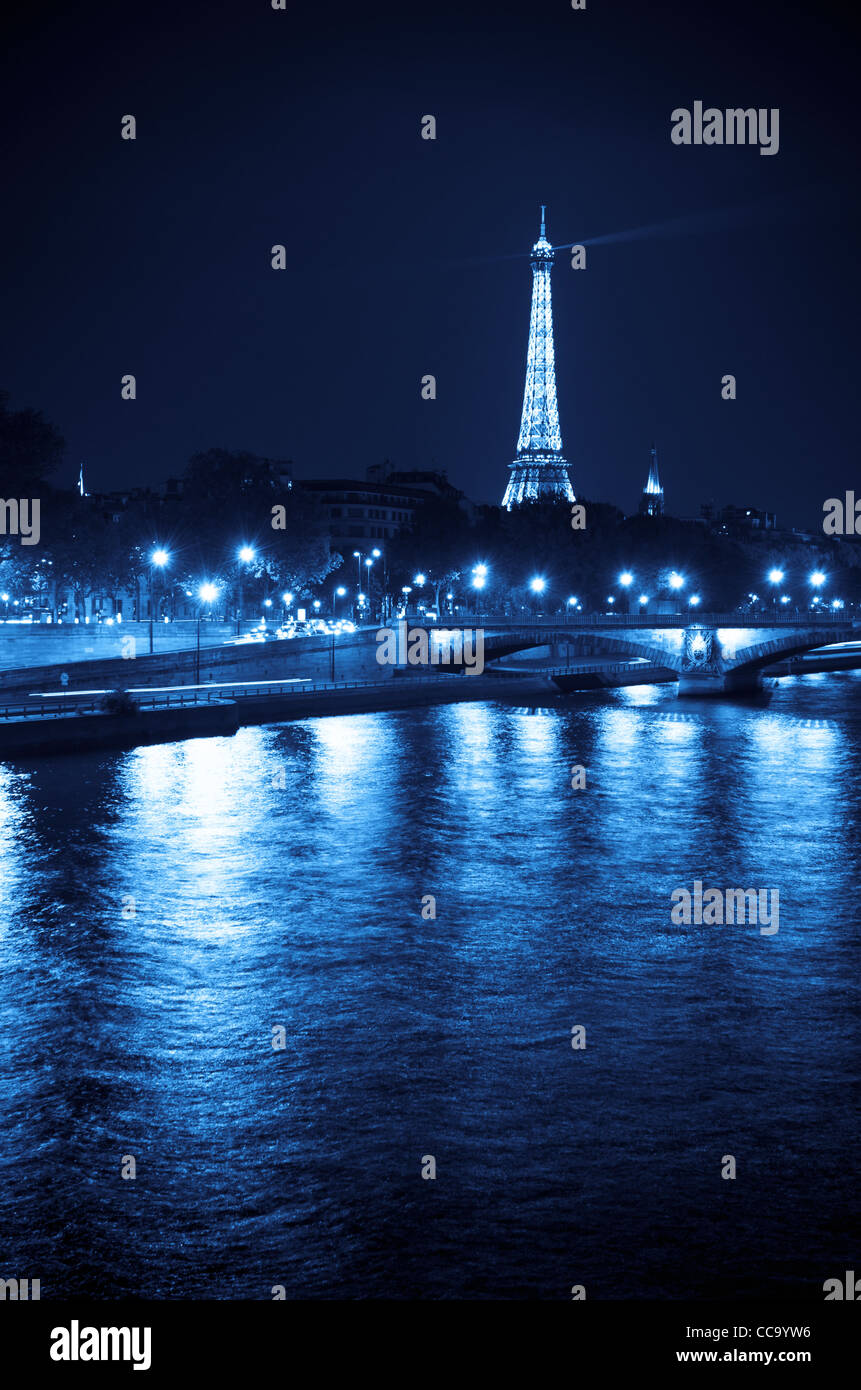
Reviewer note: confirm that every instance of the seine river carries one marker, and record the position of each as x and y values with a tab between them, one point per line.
164	910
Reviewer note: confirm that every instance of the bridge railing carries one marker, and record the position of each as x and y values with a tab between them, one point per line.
638	620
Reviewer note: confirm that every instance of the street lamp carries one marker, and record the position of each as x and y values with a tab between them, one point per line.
207	593
694	600
537	586
644	599
357	556
677	581
244	556
158	560
626	579
339	593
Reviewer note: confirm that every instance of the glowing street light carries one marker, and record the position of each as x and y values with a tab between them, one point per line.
677	581
784	598
817	579
420	579
158	560
694	600
775	576
538	585
245	554
644	599
626	579
207	592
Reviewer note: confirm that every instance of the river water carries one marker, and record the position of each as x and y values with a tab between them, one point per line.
164	910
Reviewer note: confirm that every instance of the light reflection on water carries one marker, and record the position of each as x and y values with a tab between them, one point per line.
277	878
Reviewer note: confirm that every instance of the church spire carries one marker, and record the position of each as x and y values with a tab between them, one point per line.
652	500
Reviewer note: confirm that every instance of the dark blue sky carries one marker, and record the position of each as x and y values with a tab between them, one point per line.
408	257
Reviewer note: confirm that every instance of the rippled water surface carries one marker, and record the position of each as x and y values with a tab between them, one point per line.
163	910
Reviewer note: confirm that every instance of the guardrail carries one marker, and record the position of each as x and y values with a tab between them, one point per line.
68	705
666	620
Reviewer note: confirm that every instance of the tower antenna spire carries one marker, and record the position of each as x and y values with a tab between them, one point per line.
543	206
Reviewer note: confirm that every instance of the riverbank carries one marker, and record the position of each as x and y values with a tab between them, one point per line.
37	733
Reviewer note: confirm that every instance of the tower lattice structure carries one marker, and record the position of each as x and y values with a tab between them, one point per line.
539	470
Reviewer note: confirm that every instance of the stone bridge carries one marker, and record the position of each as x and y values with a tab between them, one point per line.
714	653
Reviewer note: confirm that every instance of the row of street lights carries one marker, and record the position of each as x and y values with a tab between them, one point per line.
208	592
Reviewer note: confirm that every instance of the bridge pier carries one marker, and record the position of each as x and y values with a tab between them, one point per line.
704	670
719	682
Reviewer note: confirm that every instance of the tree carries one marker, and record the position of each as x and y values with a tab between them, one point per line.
31	448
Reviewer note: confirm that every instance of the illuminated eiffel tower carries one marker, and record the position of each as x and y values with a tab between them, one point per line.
539	471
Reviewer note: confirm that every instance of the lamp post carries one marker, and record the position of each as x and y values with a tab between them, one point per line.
368	566
206	592
244	557
479	580
158	560
775	577
357	556
676	582
339	593
817	579
478	583
626	579
537	585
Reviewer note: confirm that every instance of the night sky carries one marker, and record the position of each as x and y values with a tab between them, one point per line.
408	257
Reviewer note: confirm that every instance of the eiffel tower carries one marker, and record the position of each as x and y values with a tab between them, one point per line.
539	471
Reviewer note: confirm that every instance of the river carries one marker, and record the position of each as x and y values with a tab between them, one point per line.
164	910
